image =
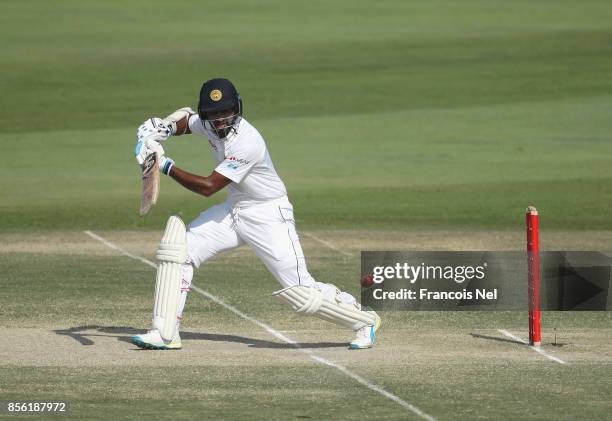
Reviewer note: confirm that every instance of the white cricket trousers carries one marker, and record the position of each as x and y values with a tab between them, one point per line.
268	228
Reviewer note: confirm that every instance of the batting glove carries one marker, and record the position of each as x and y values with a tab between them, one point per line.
155	129
145	148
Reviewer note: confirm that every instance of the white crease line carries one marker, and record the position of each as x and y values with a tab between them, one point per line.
535	348
120	250
278	335
327	244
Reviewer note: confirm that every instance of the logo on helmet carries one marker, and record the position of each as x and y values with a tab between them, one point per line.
216	95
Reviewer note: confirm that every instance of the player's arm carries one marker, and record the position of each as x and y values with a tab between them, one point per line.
178	121
205	186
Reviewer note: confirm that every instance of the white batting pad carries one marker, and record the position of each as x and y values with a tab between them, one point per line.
309	300
171	256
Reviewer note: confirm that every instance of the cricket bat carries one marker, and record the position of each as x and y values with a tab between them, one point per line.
150	183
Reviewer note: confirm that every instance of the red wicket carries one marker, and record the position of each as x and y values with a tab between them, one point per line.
533	273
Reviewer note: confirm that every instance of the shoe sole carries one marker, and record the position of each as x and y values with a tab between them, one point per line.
351	346
144	345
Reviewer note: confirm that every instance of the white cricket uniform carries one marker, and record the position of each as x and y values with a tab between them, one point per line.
257	212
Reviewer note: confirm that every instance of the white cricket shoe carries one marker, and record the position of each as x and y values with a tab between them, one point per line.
153	340
364	337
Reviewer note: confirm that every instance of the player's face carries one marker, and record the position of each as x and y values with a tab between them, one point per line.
222	121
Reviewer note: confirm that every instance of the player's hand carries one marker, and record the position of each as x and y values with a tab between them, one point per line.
155	129
146	147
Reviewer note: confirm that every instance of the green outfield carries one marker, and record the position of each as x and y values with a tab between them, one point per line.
395	126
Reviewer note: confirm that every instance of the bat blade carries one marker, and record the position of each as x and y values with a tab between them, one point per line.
150	183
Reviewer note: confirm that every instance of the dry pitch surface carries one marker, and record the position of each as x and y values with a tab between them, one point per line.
79	301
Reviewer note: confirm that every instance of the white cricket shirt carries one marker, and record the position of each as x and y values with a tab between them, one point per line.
243	158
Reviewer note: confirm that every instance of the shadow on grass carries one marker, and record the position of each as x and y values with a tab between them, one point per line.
496	338
512	341
84	334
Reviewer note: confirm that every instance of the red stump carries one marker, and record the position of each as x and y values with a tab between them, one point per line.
533	273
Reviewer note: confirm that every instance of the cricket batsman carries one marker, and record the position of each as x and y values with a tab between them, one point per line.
257	212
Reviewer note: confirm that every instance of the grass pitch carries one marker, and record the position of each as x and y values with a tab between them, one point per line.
395	125
70	340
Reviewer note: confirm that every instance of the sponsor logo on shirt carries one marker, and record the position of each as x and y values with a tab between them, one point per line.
234	162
